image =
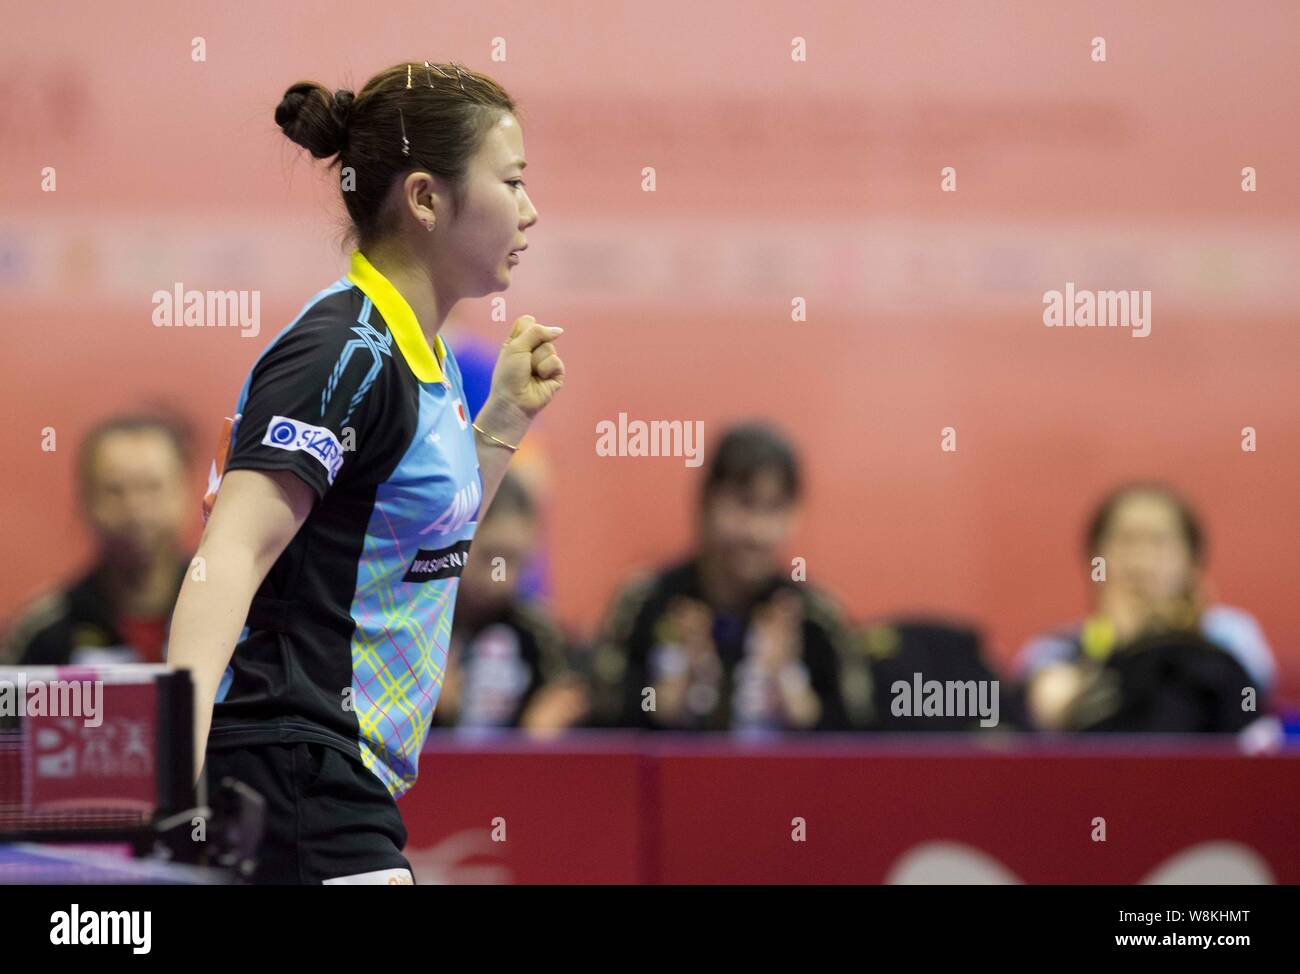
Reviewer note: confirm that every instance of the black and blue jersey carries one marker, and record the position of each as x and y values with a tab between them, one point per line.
346	641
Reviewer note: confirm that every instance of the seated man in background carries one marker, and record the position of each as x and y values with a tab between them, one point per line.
726	639
132	488
507	662
1152	545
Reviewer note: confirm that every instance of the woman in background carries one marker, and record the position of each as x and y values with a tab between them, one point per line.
1152	544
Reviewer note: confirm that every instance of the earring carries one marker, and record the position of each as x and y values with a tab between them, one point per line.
429	227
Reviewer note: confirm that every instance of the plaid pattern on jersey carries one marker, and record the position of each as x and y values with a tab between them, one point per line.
403	626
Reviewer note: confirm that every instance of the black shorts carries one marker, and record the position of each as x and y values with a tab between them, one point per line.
328	818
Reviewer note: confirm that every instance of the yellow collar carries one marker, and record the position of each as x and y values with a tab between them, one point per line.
401	320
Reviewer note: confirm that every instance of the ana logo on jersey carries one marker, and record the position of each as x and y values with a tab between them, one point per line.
460	511
461	416
284	433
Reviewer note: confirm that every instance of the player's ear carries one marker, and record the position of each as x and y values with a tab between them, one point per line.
421	197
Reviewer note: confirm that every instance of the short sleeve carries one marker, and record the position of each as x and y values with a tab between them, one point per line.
312	398
1236	631
1044	650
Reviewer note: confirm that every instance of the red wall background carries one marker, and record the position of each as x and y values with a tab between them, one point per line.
775	179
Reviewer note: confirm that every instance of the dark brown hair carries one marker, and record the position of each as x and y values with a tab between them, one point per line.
745	453
169	425
1190	524
444	110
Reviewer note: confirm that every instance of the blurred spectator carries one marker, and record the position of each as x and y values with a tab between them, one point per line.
1151	598
508	663
726	639
132	490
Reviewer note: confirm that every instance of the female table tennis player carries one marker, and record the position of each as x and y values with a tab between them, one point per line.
317	628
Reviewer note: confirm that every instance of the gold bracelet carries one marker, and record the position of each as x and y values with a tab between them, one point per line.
494	439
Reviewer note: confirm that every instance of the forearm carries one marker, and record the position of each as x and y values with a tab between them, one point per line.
209	616
505	422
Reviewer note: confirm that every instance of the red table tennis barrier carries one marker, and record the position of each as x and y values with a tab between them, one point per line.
627	809
74	763
104	748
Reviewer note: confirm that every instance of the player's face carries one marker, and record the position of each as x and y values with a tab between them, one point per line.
1145	550
136	498
495	215
746	527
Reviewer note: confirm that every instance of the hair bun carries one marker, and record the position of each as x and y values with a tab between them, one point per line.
314	119
343	99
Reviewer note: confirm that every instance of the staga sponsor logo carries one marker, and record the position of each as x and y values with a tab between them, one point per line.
428	566
289	434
